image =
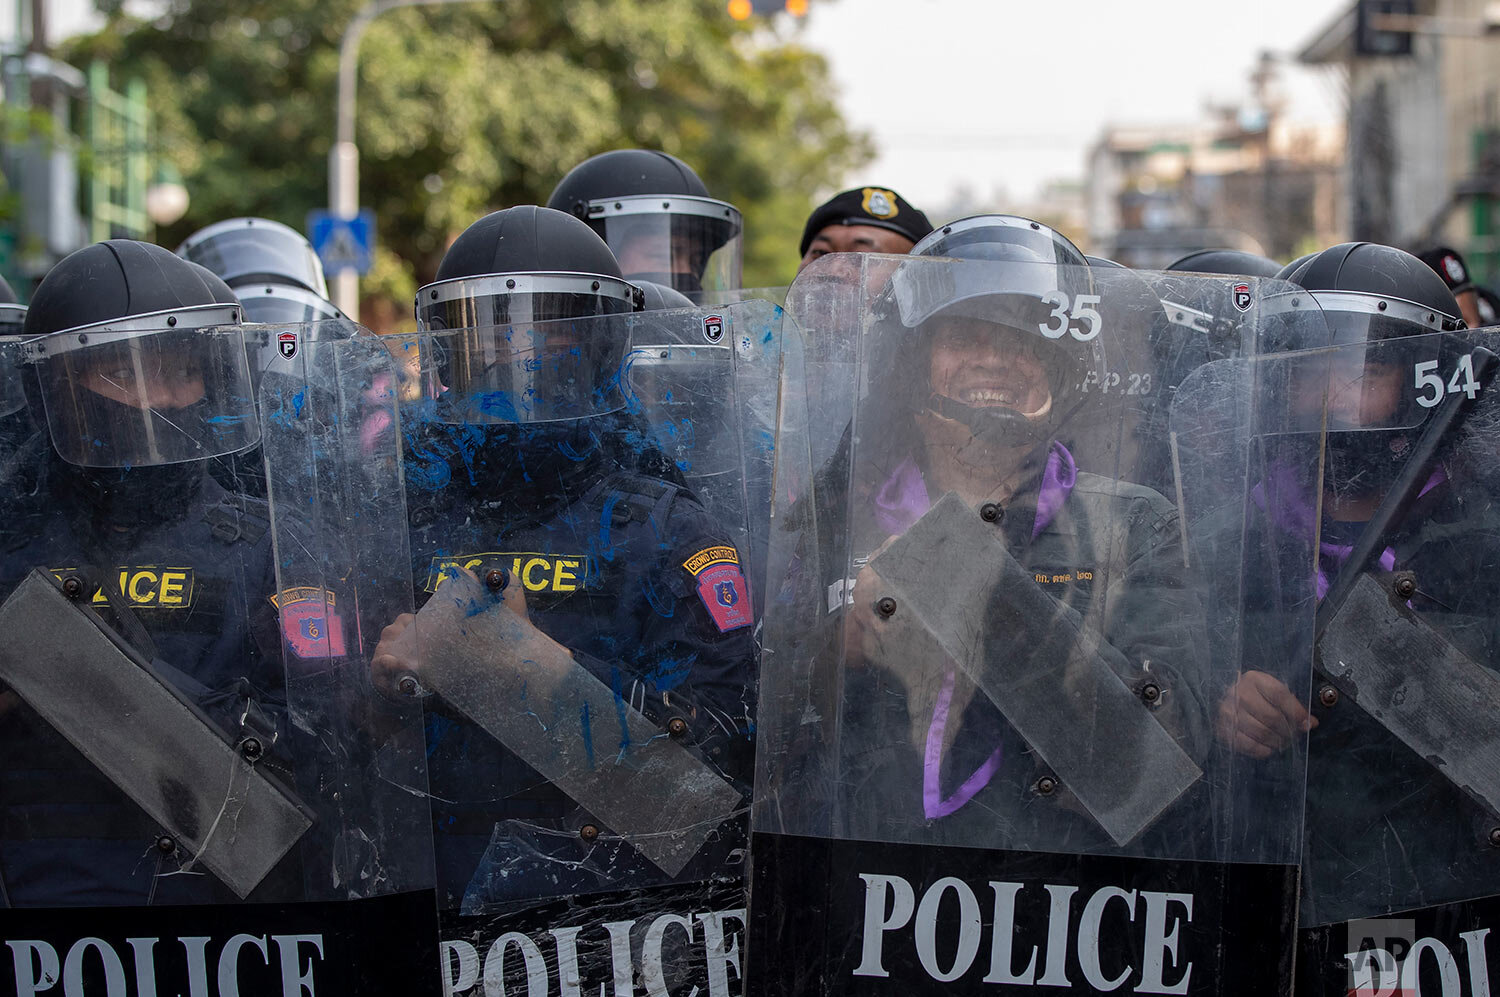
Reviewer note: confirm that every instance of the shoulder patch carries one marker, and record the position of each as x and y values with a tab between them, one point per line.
721	586
309	622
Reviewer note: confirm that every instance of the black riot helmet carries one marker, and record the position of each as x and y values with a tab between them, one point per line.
527	316
246	251
12	325
140	359
1008	282
1001	237
658	219
1379	306
1228	262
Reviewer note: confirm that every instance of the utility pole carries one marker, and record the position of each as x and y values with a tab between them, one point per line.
343	158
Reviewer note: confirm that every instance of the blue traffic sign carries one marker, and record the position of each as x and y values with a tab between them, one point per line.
342	243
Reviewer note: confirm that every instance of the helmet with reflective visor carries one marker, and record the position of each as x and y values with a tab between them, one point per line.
1380	308
256	251
1003	297
527	320
658	219
147	368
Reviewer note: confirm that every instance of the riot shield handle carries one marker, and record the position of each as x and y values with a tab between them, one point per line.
1405	491
153	743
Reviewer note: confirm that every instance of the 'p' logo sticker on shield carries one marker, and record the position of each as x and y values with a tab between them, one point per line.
309	623
1242	297
713	328
286	342
721	586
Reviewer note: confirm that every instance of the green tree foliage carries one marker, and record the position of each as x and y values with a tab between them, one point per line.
467	108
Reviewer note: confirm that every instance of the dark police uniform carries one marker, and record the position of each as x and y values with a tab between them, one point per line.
641	584
195	571
1108	539
1384	830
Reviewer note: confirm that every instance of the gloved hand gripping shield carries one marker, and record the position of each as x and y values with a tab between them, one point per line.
182	758
988	657
582	644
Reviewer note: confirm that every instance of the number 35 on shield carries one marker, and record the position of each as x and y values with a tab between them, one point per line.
1061	322
1427	380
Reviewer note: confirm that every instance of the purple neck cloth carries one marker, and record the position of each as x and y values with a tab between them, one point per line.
903	499
899	503
1289	508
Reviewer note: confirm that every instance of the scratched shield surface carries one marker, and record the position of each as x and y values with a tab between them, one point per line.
201	780
1001	623
586	507
1401	857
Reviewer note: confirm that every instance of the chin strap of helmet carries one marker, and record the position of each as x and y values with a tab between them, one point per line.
997	426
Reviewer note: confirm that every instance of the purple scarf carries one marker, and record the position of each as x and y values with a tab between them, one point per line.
903	500
1289	508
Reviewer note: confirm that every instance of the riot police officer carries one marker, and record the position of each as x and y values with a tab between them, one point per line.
658	219
971	399
525	470
140	380
1385	828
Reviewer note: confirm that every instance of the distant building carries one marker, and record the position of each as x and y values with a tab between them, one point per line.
1423	126
1250	181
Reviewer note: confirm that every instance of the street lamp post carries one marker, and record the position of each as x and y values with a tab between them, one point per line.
343	158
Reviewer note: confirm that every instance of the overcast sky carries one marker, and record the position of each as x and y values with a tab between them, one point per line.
1006	94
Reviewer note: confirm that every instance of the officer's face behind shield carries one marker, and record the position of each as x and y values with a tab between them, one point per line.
695	247
503	354
132	395
984	365
1365	374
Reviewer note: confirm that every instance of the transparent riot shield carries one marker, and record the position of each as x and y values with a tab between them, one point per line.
583	645
197	771
1401	863
687	370
994	661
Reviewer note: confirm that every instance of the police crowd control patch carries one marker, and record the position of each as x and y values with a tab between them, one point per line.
721	586
309	622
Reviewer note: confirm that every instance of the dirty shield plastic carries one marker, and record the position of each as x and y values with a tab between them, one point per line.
998	640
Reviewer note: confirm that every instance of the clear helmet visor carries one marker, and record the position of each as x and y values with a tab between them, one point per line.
145	393
1375	363
691	244
521	348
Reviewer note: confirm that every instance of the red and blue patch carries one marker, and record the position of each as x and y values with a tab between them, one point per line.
309	623
721	586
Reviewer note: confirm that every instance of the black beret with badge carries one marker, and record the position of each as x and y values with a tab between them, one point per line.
1450	266
878	206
